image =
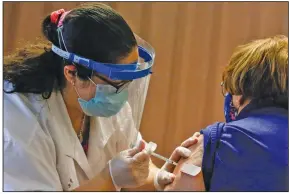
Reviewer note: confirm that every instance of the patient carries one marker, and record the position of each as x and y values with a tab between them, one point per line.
249	152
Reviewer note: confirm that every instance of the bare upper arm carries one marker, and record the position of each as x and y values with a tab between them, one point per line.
184	182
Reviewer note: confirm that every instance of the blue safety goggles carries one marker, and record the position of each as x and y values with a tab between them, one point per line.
132	71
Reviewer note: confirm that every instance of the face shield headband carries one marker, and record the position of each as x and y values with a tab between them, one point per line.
132	71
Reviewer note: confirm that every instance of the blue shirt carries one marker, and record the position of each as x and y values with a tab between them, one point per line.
248	154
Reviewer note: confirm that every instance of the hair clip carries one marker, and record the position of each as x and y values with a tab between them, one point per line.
54	16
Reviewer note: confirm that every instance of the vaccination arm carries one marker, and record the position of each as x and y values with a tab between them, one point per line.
184	182
177	155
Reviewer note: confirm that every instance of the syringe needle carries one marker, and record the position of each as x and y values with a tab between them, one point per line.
163	158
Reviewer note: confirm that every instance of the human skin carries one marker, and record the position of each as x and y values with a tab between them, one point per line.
185	182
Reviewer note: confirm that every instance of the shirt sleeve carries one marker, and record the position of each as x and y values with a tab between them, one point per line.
29	165
211	135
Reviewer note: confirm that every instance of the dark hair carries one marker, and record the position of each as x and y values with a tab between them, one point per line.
94	31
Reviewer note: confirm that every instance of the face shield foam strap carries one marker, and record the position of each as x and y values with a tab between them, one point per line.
113	71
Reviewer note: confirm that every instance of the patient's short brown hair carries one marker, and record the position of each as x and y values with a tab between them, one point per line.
258	69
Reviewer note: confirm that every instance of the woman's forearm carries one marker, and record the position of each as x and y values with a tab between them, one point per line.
102	182
149	186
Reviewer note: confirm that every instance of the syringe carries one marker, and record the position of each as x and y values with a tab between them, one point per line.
163	158
151	147
187	168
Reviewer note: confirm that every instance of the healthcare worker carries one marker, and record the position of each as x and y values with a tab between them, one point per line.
71	112
249	152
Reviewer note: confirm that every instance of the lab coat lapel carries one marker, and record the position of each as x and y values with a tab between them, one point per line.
72	144
101	130
80	157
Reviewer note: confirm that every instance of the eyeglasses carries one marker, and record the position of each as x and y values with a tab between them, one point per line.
118	86
222	89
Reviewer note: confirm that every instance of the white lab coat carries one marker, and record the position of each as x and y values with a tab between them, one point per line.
42	151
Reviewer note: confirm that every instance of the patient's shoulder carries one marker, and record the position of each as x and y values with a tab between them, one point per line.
212	133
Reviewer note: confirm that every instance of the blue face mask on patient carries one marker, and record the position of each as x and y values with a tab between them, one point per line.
105	103
229	110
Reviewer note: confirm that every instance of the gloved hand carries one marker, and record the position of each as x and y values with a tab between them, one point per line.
130	168
164	175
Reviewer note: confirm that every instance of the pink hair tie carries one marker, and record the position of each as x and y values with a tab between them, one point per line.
62	18
54	16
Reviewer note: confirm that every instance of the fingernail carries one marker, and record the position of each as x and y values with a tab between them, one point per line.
192	139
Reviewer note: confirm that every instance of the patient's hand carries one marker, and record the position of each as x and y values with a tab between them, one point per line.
184	182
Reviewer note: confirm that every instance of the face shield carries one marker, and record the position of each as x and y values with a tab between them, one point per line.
118	72
139	87
135	77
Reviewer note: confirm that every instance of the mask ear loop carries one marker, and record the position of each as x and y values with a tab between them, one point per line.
73	84
60	37
92	82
